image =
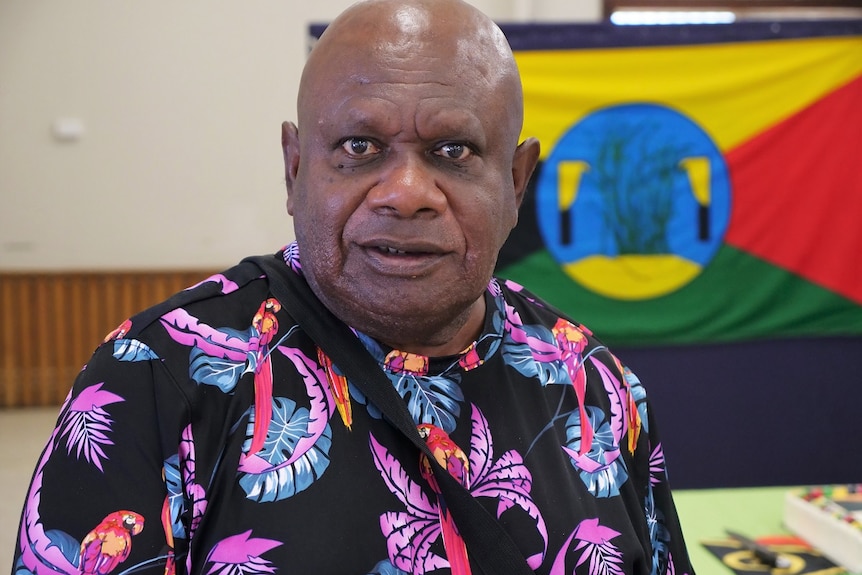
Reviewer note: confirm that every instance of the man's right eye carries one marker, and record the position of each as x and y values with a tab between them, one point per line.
359	147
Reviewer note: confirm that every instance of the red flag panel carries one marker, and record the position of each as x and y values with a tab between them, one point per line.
811	163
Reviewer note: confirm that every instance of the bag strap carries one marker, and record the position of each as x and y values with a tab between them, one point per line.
490	546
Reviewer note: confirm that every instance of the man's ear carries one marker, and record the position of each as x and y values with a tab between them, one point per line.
290	149
523	163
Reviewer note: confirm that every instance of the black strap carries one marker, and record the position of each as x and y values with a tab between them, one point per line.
489	545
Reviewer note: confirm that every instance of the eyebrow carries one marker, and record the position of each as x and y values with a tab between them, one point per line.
449	122
359	114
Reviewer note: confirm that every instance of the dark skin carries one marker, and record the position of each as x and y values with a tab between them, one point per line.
405	175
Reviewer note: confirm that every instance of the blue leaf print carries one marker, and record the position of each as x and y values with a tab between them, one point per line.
174	485
372	346
68	545
289	424
385	567
602	469
359	397
20	568
658	533
431	399
132	350
520	356
498	322
223	373
639	394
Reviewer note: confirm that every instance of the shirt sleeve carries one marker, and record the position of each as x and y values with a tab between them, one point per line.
98	494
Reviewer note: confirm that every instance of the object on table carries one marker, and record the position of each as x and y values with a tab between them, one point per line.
802	558
770	558
830	519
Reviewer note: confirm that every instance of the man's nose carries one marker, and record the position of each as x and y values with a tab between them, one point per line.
408	187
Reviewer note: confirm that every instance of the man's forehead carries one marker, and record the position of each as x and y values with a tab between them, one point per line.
356	56
445	48
429	116
395	75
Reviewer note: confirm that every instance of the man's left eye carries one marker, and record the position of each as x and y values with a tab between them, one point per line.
454	151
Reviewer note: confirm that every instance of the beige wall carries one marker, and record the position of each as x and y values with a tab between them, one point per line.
179	163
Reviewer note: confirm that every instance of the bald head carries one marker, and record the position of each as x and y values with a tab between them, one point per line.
376	37
404	173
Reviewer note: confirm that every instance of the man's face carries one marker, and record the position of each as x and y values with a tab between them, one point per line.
402	187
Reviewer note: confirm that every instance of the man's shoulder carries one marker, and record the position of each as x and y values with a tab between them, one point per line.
225	297
200	335
525	300
533	309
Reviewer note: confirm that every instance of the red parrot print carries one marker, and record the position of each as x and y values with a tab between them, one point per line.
266	325
339	388
120	331
634	421
169	533
470	358
633	417
110	543
455	461
572	342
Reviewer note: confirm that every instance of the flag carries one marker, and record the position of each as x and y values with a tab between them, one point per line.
696	183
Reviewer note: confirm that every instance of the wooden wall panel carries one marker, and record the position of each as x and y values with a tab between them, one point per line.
50	323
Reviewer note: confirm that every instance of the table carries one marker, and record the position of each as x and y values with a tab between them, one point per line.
706	513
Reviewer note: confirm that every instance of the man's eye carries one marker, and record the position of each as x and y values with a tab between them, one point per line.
359	147
454	151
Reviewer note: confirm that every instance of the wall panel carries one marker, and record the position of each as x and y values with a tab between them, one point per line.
50	323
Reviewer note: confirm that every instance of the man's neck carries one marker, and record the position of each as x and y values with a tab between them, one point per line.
456	338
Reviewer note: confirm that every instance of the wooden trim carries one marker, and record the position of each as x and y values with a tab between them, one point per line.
50	323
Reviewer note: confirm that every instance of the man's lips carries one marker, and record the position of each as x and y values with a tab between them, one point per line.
391	257
393	251
403	247
390	251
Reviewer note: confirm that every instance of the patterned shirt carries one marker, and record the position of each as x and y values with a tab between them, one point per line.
210	435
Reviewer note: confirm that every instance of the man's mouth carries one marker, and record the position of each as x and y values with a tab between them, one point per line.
415	250
391	251
403	259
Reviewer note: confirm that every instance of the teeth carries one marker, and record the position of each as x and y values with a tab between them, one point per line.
393	251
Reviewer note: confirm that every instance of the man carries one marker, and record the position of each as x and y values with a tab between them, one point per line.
210	434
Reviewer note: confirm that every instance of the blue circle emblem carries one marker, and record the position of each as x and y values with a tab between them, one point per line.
634	201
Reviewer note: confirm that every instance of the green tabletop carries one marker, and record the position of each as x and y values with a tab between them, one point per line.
706	513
